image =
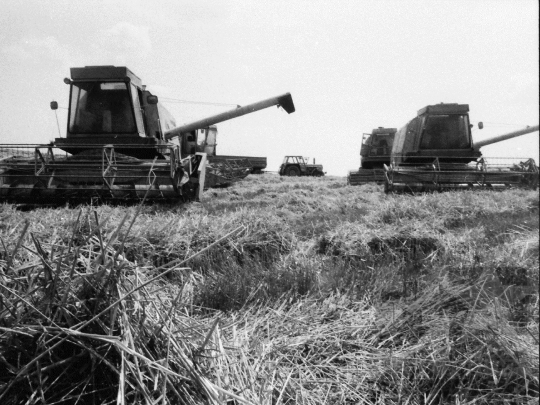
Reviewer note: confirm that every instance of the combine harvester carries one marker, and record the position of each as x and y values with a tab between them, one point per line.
374	154
121	146
435	151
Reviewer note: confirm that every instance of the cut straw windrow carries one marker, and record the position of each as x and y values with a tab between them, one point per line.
323	295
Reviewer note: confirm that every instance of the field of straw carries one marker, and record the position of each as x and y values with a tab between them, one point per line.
274	291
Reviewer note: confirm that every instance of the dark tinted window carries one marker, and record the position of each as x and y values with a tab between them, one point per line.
446	132
101	108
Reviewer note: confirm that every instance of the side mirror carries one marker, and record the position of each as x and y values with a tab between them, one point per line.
152	99
480	125
54	105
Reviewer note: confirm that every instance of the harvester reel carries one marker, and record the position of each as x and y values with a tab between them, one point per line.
47	175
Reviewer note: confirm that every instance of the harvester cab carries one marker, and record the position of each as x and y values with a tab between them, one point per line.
374	154
438	131
376	148
300	166
435	151
110	105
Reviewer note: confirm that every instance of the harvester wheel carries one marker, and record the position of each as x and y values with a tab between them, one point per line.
292	171
189	191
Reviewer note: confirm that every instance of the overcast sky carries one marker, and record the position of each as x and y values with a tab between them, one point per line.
350	66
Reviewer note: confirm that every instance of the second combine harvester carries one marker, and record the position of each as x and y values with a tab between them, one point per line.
120	145
435	151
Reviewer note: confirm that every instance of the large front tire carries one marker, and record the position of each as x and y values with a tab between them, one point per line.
292	171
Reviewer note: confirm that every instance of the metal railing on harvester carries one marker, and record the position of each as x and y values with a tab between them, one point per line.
45	174
439	174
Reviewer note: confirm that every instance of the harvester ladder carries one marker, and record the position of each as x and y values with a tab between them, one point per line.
436	171
42	165
108	166
152	177
481	166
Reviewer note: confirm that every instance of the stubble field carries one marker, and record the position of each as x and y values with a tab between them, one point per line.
274	291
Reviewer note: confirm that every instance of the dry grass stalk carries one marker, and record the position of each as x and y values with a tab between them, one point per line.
107	313
80	325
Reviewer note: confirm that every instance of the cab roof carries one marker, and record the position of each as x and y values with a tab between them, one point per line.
442	108
382	130
109	72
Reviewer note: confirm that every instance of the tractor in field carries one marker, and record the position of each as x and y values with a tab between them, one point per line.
435	151
300	166
374	154
121	145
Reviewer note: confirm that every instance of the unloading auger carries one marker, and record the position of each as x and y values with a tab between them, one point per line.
121	145
201	135
435	151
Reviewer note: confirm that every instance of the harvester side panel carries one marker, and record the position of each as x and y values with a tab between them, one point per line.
406	139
